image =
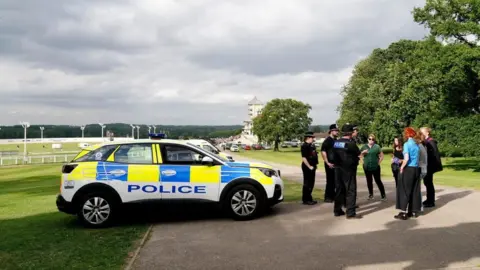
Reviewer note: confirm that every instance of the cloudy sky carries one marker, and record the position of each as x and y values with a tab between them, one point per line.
184	61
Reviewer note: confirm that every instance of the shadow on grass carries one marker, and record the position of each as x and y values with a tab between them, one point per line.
56	241
464	164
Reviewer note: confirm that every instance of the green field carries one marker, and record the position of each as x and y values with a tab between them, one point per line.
458	172
34	235
38	153
40	148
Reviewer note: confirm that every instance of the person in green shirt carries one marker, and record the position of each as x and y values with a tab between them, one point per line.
371	166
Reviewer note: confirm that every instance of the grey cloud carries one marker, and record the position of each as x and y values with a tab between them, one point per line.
112	75
324	53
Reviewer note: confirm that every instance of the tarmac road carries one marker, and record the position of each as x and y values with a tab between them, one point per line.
294	236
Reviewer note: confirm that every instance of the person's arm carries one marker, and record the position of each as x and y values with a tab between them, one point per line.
325	147
381	156
405	158
304	157
362	151
436	153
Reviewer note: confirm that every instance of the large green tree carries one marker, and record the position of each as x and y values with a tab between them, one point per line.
282	119
451	20
421	83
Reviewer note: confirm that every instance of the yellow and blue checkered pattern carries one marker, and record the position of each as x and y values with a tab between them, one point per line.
196	174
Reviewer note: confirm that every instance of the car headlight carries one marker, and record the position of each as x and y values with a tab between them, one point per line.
268	172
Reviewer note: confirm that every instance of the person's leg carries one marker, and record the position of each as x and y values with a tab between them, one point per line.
428	182
369	176
312	183
351	190
378	181
395	176
404	193
339	194
330	184
306	184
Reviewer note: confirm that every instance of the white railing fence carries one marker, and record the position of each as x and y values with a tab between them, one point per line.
37	159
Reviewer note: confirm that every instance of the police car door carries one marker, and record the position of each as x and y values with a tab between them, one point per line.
184	176
133	171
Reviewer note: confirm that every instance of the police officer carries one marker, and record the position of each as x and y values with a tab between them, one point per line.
309	167
327	155
346	158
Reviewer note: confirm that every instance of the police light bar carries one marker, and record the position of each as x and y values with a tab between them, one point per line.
157	136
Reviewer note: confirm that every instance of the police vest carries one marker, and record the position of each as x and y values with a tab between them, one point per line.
345	153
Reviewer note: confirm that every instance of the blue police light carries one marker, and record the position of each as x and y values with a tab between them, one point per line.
157	136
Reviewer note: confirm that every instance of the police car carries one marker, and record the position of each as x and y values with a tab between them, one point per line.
209	147
101	178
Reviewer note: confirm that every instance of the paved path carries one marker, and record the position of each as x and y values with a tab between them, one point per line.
295	236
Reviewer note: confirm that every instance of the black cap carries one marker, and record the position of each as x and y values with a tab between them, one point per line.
347	128
308	134
333	127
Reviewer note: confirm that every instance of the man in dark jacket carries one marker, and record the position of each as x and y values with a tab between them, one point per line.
327	155
309	167
434	164
346	157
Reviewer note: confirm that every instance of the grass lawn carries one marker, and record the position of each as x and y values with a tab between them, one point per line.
293	192
34	235
40	148
458	172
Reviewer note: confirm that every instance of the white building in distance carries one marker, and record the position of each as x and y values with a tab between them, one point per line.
255	108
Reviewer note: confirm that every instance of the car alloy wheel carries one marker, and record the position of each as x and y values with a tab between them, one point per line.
96	210
243	203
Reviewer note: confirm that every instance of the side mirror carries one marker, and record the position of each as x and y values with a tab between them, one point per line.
207	161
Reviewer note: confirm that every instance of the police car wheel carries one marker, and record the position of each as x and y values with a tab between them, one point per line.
96	210
244	202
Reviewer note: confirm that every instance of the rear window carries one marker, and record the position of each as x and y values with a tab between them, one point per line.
100	154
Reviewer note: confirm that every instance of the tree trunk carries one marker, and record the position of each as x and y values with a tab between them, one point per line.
277	140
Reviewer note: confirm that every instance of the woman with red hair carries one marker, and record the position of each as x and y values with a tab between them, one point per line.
408	201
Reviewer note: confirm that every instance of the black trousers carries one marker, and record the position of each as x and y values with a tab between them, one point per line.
395	172
345	190
308	183
370	175
330	185
408	190
428	182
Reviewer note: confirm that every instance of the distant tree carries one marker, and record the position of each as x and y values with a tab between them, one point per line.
281	119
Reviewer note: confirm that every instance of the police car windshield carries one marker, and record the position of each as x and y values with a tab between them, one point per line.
203	150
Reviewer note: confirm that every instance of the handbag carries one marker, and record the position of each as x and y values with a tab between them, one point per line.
395	167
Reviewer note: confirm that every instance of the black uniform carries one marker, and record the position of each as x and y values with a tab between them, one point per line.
434	165
346	160
327	147
309	152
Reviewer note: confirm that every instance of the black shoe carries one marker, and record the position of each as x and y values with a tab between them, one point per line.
328	200
414	215
402	216
356	216
310	202
429	205
339	214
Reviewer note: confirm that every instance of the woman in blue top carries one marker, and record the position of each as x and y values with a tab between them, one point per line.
407	189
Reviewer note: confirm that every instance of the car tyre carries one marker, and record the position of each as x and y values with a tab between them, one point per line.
244	202
97	209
